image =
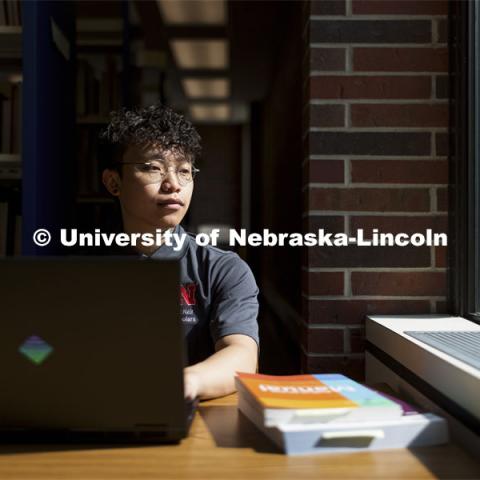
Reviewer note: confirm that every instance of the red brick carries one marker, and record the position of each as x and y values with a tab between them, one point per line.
375	87
414	115
442	199
409	225
441	257
313	223
357	339
327	59
352	367
357	30
400	7
322	340
369	199
323	283
399	283
399	171
370	143
345	311
327	115
403	59
369	257
334	224
327	7
326	171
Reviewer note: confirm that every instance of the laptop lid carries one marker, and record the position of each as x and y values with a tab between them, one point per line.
89	344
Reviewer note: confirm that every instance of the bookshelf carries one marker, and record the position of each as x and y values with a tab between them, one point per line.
10	92
48	57
10	166
10	128
11	41
37	55
12	30
65	84
105	80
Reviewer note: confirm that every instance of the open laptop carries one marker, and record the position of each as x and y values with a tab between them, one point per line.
91	349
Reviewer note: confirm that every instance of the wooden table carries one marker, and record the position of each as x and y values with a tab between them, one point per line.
224	445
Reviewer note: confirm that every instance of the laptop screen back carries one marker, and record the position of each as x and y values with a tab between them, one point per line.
90	344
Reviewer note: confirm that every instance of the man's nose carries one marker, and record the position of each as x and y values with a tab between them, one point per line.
170	182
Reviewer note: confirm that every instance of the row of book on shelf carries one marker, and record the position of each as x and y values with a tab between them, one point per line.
98	86
10	143
330	413
11	117
10	221
98	93
10	12
90	102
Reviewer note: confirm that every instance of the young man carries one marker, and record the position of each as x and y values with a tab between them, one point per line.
152	177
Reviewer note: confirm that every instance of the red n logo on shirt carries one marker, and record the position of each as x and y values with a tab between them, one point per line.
187	293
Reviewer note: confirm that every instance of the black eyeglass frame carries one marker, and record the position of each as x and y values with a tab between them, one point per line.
194	169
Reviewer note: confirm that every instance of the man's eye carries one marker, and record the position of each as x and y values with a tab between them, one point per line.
185	171
150	168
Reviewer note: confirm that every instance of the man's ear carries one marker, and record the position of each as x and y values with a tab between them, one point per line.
112	181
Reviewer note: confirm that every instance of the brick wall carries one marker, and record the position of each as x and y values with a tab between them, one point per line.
375	156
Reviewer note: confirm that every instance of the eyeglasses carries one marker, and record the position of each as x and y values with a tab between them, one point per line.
155	172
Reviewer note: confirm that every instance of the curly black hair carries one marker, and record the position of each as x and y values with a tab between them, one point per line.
154	125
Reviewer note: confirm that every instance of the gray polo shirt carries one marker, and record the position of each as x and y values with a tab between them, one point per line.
218	295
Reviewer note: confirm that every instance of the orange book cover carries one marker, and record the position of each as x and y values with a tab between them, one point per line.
295	392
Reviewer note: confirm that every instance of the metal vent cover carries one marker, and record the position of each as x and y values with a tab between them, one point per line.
464	346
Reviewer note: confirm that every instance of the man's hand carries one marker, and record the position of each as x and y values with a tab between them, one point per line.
191	383
215	376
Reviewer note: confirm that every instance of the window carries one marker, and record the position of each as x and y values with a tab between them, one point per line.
465	166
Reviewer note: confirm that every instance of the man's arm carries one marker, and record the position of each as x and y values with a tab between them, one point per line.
214	377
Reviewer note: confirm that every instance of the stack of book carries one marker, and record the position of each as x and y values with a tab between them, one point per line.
331	413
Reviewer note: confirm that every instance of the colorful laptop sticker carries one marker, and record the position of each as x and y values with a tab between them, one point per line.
36	349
